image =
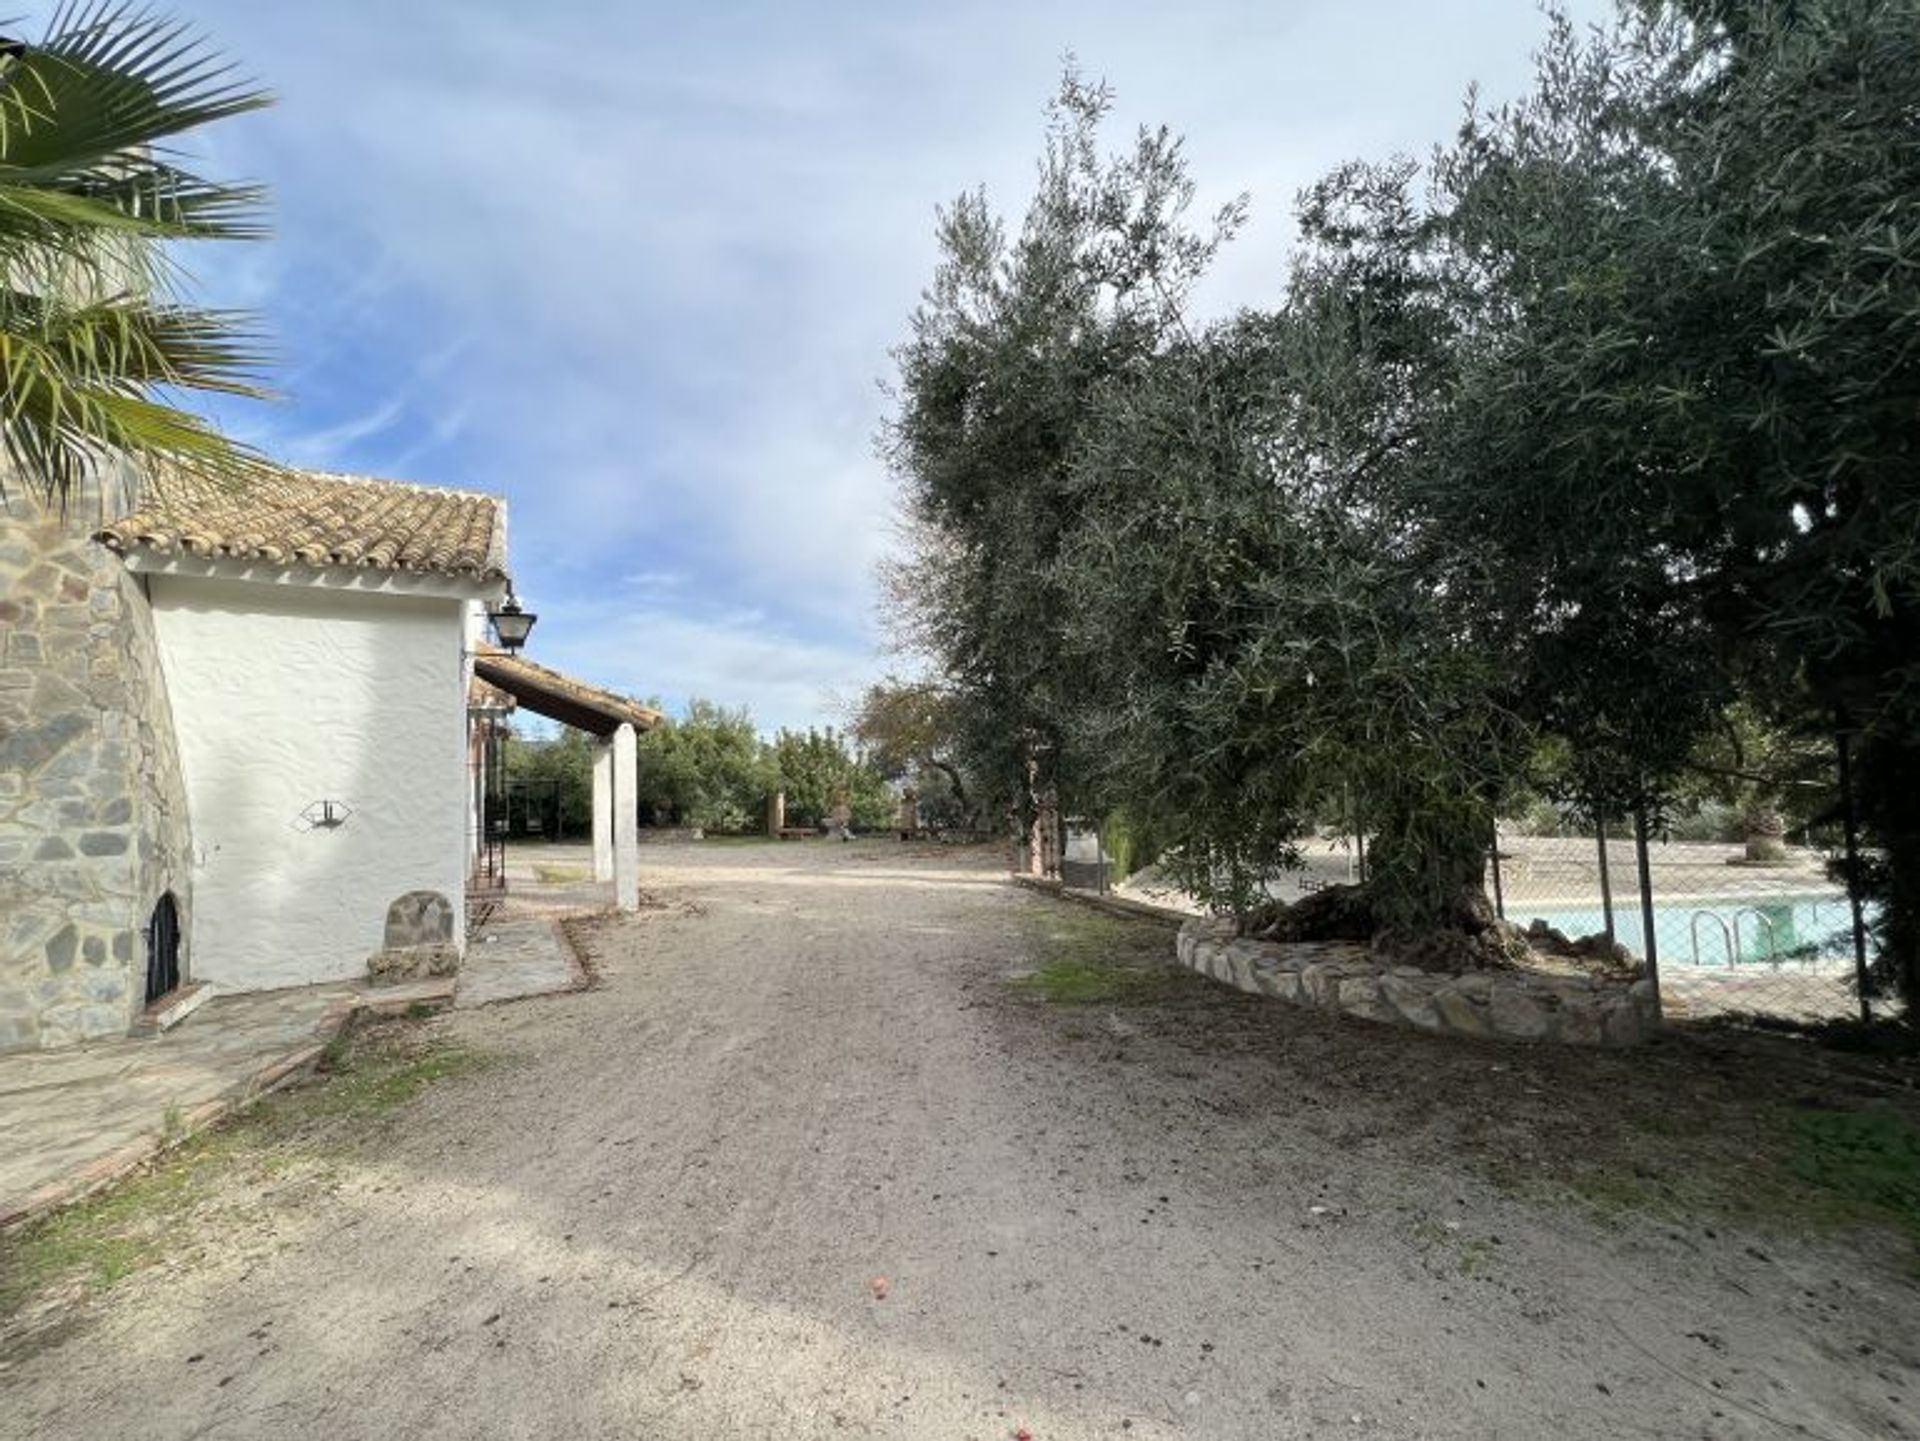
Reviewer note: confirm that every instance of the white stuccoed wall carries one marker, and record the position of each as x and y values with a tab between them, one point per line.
287	695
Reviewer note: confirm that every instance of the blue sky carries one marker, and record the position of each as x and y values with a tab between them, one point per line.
638	266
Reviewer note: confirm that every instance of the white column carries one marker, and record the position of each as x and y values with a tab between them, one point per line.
603	809
626	820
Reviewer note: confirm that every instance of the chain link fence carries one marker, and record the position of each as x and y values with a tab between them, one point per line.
1730	928
1728	933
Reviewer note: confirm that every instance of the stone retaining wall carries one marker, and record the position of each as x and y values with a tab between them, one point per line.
93	815
1340	976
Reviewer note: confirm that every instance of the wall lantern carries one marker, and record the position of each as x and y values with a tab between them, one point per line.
512	625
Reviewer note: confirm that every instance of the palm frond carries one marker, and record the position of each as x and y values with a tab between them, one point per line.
62	423
109	79
88	197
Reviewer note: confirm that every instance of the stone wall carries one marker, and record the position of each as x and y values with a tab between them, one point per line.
93	816
1339	976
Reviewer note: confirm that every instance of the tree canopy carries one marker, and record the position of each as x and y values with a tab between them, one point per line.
1595	425
709	767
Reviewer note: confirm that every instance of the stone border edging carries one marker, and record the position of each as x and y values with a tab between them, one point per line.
585	976
1113	905
1342	977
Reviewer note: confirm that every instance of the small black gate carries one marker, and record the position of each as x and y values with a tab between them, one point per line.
490	809
163	949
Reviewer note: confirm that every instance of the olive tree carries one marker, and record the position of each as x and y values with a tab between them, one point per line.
1007	348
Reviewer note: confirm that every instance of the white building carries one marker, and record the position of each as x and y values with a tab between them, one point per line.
238	744
316	634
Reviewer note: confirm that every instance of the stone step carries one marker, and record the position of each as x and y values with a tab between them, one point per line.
173	1008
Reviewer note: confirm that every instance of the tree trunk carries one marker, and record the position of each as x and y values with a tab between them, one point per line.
1766	831
1887	793
1421	879
952	774
1432	874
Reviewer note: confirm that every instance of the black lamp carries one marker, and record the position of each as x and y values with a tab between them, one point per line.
512	625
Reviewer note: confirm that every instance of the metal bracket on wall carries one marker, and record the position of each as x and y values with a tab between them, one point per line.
323	816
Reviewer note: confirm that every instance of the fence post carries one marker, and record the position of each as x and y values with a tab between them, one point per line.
1359	843
1499	897
1853	874
1646	903
1606	881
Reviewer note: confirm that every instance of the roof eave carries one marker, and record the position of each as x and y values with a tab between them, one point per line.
384	580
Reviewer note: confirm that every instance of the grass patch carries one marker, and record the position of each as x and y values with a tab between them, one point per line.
364	1087
294	1136
1795	1170
561	875
1084	957
1867	1158
1083	983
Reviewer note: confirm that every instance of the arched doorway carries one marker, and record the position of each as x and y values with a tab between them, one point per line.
163	949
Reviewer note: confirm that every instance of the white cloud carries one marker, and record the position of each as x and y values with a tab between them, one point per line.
741	658
638	265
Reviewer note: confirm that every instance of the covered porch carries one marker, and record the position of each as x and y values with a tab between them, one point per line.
614	722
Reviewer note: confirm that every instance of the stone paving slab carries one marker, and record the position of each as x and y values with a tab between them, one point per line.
514	955
74	1119
77	1119
520	949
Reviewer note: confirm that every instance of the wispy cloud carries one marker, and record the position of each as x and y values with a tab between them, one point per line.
743	658
638	266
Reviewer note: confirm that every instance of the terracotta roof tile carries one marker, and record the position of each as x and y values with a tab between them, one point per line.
316	518
483	696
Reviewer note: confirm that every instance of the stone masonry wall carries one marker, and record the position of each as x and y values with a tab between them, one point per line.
93	816
1339	976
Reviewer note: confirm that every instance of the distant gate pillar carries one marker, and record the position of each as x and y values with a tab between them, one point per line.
626	819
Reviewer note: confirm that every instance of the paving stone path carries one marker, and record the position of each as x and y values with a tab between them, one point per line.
64	1111
75	1117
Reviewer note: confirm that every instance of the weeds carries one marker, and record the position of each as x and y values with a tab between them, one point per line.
1470	1256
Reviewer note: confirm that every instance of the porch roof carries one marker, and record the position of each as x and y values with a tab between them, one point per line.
560	697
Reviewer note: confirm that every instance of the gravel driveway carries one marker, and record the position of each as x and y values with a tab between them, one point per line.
812	1162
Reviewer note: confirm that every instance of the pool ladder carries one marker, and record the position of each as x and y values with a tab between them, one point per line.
1730	935
1726	936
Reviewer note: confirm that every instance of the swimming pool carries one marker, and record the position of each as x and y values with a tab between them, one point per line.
1796	930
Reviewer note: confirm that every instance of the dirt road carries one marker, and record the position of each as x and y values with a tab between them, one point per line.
815	1076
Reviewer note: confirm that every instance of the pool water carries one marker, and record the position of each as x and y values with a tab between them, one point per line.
1722	931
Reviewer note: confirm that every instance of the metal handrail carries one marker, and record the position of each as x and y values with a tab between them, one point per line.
1726	936
1773	941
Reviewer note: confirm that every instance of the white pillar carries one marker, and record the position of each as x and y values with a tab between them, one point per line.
626	820
603	809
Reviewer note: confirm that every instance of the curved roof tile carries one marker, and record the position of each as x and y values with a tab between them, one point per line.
319	518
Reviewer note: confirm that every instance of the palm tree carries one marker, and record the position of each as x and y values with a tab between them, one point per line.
94	335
